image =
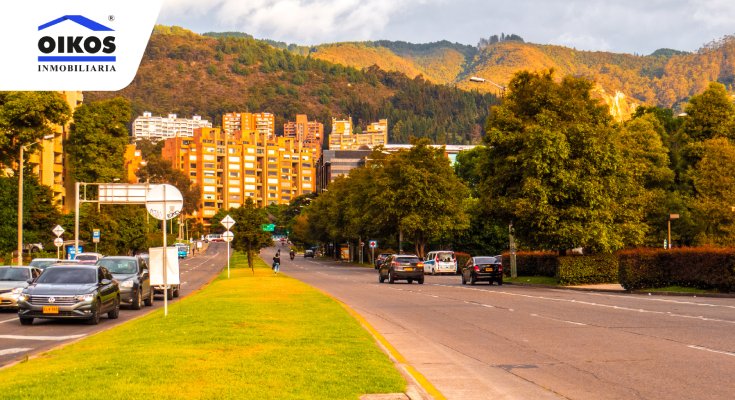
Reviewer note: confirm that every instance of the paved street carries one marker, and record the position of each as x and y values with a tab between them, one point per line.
17	341
515	342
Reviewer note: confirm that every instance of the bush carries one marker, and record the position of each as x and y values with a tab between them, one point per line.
702	268
461	259
532	263
578	269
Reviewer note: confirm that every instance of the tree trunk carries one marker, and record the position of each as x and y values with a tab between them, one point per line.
250	259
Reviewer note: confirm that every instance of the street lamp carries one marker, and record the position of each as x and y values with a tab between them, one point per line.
20	197
671	216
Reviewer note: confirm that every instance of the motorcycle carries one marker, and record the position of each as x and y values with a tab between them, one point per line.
292	255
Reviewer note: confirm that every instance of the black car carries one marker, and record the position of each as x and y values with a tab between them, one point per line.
71	291
131	273
483	268
309	253
401	267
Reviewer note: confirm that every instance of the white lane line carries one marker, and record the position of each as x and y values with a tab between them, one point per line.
727	353
15	350
559	320
9	320
47	338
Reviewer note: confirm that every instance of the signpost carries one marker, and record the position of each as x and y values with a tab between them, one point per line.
373	244
228	222
95	238
268	227
164	202
58	242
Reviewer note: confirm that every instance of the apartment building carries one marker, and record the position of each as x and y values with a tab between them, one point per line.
308	133
231	167
161	128
343	137
246	122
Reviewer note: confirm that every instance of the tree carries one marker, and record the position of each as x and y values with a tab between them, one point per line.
249	235
710	115
554	169
96	145
39	213
158	170
26	117
714	182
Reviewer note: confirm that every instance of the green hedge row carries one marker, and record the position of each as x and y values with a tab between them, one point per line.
532	263
597	268
700	267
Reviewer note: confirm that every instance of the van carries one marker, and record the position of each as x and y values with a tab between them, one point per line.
440	262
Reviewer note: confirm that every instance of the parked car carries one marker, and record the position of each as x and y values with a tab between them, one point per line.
42	263
309	253
380	258
401	267
440	262
133	277
88	258
182	250
483	268
12	282
70	291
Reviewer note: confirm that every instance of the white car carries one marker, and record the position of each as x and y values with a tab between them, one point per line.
12	282
88	258
440	262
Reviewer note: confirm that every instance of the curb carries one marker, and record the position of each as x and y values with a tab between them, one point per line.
603	290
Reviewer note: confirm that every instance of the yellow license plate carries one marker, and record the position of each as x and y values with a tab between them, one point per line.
488	270
408	269
50	309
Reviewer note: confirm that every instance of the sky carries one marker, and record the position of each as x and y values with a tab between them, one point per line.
619	26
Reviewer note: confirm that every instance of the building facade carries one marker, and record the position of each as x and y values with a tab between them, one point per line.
161	128
229	168
264	123
343	137
309	133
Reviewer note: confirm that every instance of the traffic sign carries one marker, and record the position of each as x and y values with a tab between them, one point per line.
268	227
58	230
164	201
373	244
228	236
58	242
95	235
227	222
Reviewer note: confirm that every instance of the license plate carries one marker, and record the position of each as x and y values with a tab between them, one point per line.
50	309
408	269
488	270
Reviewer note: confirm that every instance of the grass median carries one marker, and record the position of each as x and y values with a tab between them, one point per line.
248	337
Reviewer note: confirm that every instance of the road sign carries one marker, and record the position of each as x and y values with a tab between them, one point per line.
227	236
373	244
227	222
58	230
268	227
95	235
164	202
58	242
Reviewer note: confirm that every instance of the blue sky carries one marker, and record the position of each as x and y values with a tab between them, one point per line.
622	26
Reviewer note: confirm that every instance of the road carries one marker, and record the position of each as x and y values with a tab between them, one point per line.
18	341
518	342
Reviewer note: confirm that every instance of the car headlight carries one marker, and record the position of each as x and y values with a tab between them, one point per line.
127	284
24	296
17	290
84	297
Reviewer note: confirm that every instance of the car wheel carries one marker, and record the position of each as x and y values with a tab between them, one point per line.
433	271
95	319
410	281
381	278
176	292
473	280
115	313
138	302
500	281
149	300
464	281
421	280
170	293
26	321
391	278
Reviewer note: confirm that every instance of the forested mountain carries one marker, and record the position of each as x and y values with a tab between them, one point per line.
186	73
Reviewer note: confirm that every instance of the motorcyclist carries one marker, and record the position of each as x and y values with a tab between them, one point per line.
292	254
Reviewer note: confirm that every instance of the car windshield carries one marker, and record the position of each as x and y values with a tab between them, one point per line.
444	257
68	275
86	257
119	266
42	263
14	274
407	260
485	260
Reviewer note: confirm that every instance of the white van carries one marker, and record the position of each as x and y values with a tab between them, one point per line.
440	262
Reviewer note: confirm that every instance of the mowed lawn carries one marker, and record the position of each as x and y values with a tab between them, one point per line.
261	336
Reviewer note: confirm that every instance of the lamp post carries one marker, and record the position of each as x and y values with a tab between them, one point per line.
671	216
20	198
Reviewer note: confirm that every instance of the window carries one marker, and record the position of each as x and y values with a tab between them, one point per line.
272	173
234	174
193	166
209	165
208	204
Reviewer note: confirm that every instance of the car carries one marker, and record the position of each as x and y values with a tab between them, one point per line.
88	258
309	253
133	277
182	249
13	280
407	267
440	262
483	268
42	263
380	258
70	291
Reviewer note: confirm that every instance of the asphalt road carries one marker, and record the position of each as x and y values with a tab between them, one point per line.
518	342
18	341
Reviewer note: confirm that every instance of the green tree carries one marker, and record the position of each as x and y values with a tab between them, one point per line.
96	145
714	182
40	215
554	168
710	115
249	237
158	170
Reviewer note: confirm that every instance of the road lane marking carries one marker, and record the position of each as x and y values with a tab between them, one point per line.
5	352
9	320
46	338
559	320
727	353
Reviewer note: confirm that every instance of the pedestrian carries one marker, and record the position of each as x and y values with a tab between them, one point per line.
276	262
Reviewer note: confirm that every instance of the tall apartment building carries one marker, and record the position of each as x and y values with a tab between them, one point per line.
342	137
161	128
232	167
246	122
308	133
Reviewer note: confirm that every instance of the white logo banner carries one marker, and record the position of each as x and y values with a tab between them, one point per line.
74	44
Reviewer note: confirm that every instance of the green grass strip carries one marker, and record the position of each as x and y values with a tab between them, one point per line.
248	337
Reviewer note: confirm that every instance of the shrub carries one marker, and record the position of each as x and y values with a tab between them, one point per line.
532	263
579	269
461	259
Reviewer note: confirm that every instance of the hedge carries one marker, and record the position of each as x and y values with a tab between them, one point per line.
701	267
530	263
579	269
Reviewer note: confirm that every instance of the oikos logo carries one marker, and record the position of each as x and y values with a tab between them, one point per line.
92	49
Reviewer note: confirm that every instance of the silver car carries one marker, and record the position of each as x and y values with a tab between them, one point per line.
12	282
